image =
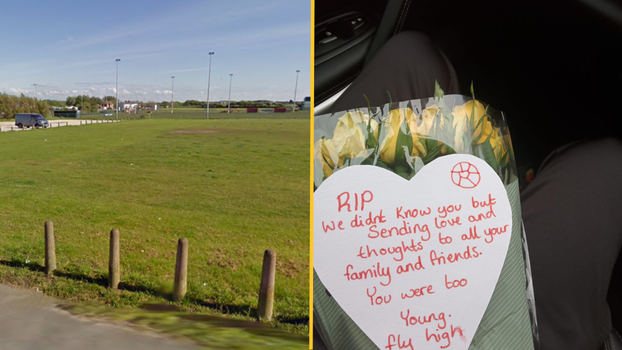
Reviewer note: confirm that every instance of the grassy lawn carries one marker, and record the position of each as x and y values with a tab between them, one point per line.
233	188
208	332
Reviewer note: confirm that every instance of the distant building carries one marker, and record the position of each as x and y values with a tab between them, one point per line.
129	106
306	105
67	114
149	106
106	106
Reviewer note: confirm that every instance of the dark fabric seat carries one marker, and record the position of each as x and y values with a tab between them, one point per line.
613	342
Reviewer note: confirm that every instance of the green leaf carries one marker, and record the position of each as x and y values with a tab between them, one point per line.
403	171
433	149
404	140
438	92
472	121
369	160
472	90
449	150
485	152
368	104
371	141
382	164
503	162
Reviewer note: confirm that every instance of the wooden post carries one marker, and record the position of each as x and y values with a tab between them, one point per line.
266	290
50	250
113	268
181	270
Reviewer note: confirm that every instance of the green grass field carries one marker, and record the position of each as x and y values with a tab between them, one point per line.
233	188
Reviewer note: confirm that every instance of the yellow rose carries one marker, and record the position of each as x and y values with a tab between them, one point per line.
498	144
350	134
427	119
390	131
325	152
462	116
418	148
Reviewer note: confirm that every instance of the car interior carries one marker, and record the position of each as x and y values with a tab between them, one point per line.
554	68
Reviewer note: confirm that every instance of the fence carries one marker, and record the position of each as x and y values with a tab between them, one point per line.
265	304
60	123
193	114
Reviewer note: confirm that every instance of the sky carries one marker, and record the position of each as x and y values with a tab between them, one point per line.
69	48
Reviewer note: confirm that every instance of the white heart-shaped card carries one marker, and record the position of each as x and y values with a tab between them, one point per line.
413	263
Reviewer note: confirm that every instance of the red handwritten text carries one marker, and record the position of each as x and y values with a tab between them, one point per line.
375	272
379	300
447	336
455	283
483	216
421	320
411	213
444	240
410	266
358	220
491	232
417	292
331	226
397	250
444	210
343	200
399	231
477	204
472	234
444	223
469	253
398	343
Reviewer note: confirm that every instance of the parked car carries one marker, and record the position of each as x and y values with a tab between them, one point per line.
31	120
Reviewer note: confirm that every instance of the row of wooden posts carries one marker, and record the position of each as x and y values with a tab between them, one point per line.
266	289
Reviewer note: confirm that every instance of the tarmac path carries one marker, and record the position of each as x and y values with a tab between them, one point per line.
30	320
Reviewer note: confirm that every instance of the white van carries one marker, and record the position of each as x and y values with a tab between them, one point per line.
31	120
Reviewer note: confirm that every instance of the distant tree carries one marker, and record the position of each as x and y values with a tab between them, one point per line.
71	101
96	101
11	105
55	103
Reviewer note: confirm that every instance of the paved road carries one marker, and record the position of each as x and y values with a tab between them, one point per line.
30	321
10	126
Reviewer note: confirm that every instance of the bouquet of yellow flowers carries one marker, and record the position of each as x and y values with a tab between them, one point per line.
403	138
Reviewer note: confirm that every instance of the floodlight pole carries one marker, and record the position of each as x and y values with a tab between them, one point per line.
116	90
295	90
36	92
229	105
209	76
172	93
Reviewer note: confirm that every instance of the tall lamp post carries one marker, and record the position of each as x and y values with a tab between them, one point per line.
116	90
209	76
229	105
172	92
36	91
295	90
